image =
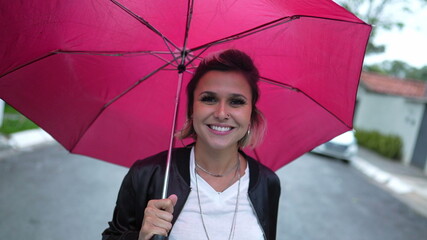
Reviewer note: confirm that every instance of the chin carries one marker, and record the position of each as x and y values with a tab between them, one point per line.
220	142
222	145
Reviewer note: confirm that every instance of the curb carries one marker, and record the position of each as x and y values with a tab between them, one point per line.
27	139
407	189
391	182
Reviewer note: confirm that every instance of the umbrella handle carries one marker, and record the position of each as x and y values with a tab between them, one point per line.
158	237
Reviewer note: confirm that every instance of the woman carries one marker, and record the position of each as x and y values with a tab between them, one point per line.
216	191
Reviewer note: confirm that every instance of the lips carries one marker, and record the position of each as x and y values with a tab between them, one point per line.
220	128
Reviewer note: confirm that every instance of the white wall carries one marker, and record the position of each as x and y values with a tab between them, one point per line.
390	114
1	112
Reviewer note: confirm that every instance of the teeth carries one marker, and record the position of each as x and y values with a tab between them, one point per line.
221	129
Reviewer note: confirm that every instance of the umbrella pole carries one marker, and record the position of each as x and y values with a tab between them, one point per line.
168	161
172	136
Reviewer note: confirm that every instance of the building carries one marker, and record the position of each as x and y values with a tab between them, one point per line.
395	106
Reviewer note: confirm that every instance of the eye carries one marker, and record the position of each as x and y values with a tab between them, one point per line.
208	99
236	102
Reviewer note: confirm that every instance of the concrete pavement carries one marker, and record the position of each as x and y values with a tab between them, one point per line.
23	141
407	183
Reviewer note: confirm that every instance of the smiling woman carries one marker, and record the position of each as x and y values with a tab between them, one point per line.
217	191
222	110
230	64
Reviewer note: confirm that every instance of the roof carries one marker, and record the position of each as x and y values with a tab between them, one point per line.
394	86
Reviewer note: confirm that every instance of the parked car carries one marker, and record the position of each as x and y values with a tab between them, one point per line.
342	147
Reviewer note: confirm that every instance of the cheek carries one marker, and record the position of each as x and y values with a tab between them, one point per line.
198	111
198	116
245	116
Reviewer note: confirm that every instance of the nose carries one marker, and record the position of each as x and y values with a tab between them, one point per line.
221	111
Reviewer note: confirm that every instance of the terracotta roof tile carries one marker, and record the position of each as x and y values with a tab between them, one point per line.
394	86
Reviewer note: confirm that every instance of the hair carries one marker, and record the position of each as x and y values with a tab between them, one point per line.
231	60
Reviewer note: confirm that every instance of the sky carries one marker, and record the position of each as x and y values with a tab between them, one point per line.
410	43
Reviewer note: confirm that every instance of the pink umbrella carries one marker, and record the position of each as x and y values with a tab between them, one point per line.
102	76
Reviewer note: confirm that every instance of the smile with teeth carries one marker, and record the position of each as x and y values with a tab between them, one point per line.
220	128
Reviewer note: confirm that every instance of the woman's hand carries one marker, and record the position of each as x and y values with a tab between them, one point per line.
158	217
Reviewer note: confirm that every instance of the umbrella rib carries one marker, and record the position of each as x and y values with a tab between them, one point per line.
28	63
190	62
119	96
187	29
279	84
145	22
100	53
287	86
339	119
170	51
152	53
333	19
137	83
263	27
197	56
165	60
249	32
115	54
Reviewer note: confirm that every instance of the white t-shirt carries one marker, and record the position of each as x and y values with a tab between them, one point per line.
218	212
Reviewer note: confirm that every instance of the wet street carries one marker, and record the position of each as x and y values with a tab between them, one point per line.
324	199
49	194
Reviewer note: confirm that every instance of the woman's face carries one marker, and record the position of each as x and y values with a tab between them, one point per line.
222	109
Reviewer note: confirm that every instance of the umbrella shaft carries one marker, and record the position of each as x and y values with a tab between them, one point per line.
171	141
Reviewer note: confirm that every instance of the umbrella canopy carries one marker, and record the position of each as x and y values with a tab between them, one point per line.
101	75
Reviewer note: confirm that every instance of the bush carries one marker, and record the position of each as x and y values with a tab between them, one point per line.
389	146
13	121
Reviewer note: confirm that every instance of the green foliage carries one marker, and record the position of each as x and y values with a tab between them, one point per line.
375	12
13	121
389	146
420	73
372	48
398	69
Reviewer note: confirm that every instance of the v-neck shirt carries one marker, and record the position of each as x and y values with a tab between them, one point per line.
218	211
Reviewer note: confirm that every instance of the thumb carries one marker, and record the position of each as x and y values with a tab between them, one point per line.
173	198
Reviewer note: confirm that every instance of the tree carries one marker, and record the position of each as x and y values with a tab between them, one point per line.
398	69
420	73
374	12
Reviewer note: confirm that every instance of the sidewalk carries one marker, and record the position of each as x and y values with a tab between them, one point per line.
23	141
407	183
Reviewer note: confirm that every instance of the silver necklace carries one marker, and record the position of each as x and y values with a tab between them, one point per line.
233	224
218	175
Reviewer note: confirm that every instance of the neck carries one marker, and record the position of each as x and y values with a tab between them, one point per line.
217	161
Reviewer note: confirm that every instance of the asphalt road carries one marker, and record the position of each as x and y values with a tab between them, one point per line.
48	193
324	199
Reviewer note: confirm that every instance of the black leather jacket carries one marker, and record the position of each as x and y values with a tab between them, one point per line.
144	182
